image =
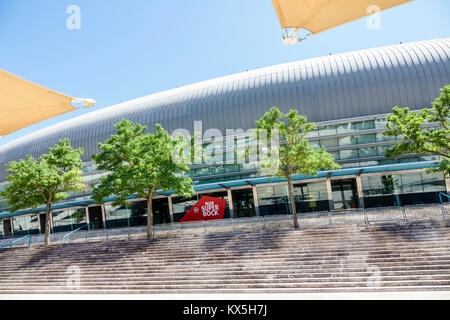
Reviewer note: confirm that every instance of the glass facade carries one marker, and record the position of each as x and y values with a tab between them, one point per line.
68	220
311	197
25	225
354	143
273	200
402	189
136	214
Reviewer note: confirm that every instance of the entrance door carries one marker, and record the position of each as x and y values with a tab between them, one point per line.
345	195
42	219
243	204
95	217
7	230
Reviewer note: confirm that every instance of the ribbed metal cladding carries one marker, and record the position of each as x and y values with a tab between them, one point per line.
340	86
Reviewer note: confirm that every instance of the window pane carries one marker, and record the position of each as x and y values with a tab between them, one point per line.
348	154
433	182
366	138
329	143
327	130
345	127
345	141
411	183
364	125
368	152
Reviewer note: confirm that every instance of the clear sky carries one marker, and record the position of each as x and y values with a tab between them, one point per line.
127	49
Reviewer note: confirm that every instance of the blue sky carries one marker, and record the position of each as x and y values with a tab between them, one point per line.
127	49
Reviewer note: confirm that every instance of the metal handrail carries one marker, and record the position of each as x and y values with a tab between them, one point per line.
12	242
86	225
443	194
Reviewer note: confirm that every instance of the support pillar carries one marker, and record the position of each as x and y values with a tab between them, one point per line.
39	223
447	184
330	194
230	203
103	216
86	211
360	192
169	200
255	200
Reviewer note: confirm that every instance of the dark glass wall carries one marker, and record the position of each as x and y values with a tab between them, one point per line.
243	203
311	197
402	189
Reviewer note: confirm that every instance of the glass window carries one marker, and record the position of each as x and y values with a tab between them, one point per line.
433	182
273	200
318	190
247	166
329	143
371	186
366	138
381	137
117	217
380	123
346	141
364	125
25	225
411	183
348	154
335	155
327	130
68	220
345	127
217	169
182	205
202	172
368	152
313	133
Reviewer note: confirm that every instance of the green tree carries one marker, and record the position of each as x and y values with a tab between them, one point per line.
424	132
141	164
294	155
45	181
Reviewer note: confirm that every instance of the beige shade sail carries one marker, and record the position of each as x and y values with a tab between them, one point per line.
320	15
23	103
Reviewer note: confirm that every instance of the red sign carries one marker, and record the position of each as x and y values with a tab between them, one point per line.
207	208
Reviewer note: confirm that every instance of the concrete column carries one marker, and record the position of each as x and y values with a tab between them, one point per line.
230	203
255	200
330	194
86	210
169	200
360	192
103	216
447	184
39	223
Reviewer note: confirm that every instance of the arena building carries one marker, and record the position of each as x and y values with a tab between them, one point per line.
348	95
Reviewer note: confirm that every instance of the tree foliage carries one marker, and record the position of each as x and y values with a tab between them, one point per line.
141	164
294	155
424	132
44	181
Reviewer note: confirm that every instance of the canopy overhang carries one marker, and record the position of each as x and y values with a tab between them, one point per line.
23	103
320	15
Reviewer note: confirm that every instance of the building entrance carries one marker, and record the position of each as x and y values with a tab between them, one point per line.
7	230
95	217
42	220
345	195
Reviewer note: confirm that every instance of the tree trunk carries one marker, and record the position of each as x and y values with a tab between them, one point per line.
291	199
149	218
47	224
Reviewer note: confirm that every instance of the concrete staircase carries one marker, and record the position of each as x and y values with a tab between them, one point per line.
348	258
